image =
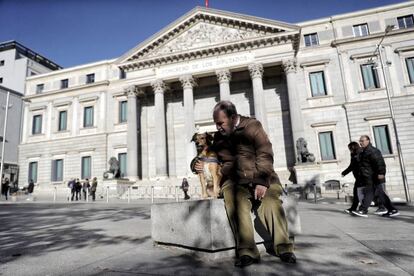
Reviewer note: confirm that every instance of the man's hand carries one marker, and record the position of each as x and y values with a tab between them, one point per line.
381	176
199	166
259	192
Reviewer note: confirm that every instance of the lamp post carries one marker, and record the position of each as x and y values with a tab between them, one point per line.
397	140
4	140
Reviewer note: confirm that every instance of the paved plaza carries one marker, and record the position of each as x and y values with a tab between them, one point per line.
45	238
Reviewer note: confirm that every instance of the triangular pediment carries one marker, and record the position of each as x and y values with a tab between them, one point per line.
202	29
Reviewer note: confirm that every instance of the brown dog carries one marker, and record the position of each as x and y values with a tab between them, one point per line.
210	177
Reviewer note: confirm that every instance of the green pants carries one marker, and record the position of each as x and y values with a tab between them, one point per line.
238	201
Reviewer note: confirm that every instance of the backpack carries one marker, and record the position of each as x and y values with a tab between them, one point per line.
70	184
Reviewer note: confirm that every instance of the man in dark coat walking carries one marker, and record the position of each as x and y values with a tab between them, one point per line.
353	167
372	172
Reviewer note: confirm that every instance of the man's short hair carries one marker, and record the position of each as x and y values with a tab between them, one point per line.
227	107
366	137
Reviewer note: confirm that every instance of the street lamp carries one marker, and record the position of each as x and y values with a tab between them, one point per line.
397	140
4	139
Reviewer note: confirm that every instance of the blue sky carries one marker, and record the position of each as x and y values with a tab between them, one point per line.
73	32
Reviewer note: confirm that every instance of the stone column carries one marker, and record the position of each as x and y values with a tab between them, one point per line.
132	134
159	88
256	73
224	77
188	83
296	120
26	122
75	116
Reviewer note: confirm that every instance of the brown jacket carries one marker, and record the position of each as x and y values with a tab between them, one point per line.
247	155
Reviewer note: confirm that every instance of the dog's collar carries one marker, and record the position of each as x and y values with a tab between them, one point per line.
209	159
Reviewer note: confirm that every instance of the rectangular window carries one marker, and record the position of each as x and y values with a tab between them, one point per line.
311	39
1	80
90	78
123	111
57	170
39	88
382	139
360	30
317	82
63	117
37	124
122	157
370	76
32	172
88	116
122	74
64	84
326	144
2	62
405	21
410	68
86	167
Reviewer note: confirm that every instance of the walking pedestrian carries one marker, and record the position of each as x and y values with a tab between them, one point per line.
30	188
85	188
372	172
5	187
184	187
353	167
93	188
78	188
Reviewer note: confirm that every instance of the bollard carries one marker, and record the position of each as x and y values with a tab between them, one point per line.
107	194
314	192
129	194
70	195
54	194
87	195
176	193
152	194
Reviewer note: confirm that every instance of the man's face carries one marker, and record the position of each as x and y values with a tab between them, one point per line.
224	124
363	141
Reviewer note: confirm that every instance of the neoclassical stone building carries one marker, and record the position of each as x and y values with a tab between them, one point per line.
319	80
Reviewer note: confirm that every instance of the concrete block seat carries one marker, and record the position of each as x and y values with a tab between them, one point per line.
199	225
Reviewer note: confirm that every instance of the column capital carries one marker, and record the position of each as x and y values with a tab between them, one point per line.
188	81
134	91
159	86
256	70
223	75
289	66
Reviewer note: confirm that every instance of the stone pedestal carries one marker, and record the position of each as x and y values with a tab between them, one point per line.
200	225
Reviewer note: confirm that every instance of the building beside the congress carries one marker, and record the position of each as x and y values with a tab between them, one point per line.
16	63
320	80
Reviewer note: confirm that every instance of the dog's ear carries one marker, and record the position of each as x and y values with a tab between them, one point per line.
193	139
209	138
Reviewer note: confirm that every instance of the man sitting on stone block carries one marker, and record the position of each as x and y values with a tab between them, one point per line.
248	180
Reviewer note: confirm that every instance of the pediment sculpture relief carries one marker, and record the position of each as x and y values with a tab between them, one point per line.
204	34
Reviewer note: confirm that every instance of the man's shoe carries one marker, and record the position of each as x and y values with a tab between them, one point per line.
360	213
348	211
288	257
381	211
392	213
245	261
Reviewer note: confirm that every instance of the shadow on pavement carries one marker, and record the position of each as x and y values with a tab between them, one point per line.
36	230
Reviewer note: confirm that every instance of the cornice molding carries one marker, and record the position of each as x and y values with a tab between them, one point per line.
209	51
